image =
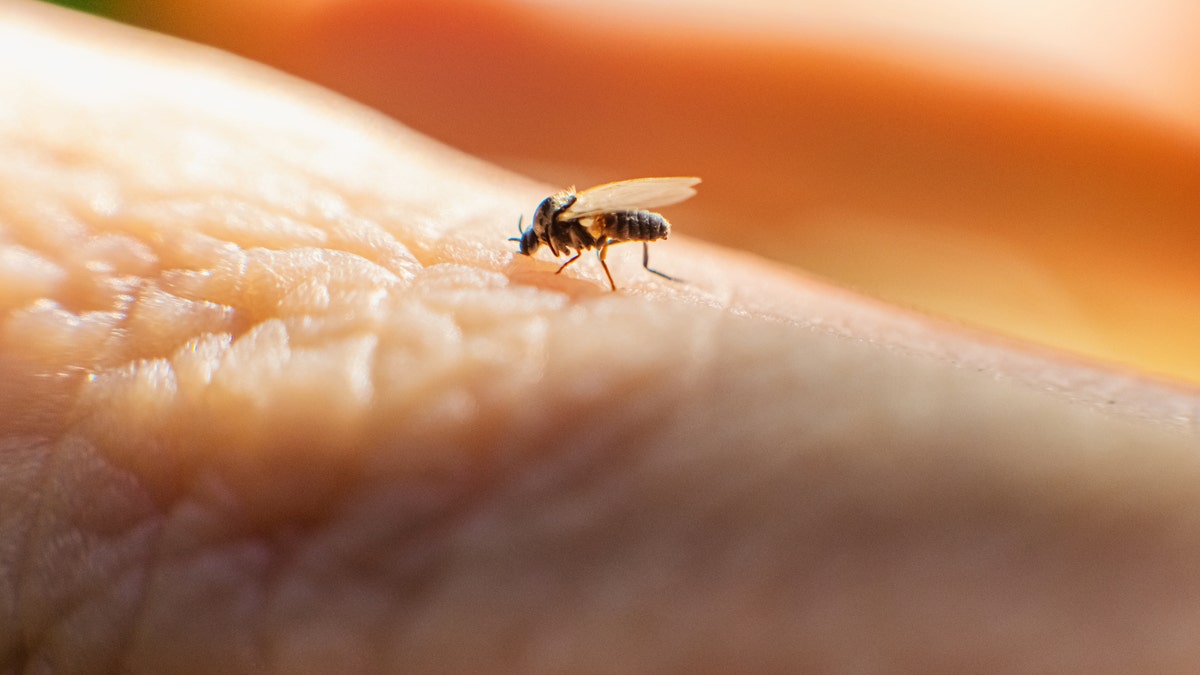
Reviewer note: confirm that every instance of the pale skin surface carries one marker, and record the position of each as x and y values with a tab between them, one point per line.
1039	191
279	397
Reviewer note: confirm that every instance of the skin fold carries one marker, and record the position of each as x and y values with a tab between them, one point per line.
279	396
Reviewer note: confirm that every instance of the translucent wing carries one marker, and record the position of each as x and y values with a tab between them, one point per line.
631	195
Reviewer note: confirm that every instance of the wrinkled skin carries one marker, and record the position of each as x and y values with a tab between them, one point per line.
279	396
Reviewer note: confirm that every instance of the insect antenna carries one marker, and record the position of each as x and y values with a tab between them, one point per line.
520	219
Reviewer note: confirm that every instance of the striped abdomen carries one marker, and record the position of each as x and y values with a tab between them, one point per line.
634	226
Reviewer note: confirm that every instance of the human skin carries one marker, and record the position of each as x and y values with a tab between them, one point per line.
279	397
1030	169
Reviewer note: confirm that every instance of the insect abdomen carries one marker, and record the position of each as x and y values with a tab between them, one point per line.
635	226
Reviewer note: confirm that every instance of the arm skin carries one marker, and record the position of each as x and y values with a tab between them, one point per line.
279	397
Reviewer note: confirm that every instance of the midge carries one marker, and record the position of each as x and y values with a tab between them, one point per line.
573	222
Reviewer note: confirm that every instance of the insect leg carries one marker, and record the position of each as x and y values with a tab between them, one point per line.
564	265
646	263
603	253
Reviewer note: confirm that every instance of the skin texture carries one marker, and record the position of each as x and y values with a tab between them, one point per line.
279	397
1030	169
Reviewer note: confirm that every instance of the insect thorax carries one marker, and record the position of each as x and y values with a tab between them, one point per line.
573	235
551	207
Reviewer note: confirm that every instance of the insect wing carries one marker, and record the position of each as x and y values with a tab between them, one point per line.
631	195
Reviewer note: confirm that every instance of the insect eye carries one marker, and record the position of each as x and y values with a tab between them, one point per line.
529	243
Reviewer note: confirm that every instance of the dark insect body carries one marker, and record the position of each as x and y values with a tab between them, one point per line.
570	223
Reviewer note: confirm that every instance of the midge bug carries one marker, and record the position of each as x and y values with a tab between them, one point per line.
573	222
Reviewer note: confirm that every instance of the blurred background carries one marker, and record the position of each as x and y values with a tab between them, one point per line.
1029	168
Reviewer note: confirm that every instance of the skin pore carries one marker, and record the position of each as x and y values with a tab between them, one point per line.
279	396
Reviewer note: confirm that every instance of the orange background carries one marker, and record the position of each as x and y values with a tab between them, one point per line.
1031	170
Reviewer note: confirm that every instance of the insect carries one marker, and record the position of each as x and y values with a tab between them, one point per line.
573	222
